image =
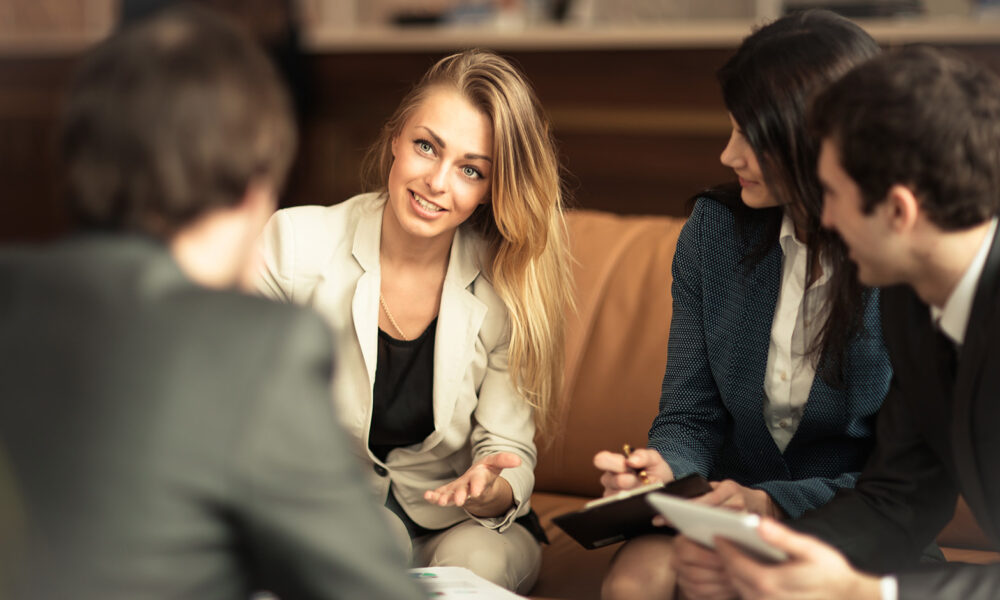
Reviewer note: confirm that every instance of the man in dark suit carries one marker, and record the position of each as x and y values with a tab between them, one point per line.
167	436
910	163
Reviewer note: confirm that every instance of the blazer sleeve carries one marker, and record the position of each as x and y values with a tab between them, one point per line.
276	259
312	528
691	421
795	497
504	422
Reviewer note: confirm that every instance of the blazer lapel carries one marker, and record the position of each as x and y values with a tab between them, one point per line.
970	405
365	304
459	320
749	361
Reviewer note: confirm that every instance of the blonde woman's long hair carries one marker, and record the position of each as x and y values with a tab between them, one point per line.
527	258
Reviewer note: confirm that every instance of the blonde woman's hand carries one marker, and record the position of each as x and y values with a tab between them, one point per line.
480	490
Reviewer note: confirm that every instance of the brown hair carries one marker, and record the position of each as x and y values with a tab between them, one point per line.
171	118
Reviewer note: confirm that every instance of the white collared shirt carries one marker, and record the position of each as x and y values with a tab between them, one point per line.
798	318
954	316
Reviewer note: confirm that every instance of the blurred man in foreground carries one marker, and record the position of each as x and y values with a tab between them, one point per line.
169	437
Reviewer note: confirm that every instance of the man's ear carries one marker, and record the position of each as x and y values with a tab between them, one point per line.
903	208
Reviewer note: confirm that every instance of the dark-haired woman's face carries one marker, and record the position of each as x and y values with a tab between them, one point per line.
740	157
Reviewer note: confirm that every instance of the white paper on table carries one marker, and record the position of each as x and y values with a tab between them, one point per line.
459	582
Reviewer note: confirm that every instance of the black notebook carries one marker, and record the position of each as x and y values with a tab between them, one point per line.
626	514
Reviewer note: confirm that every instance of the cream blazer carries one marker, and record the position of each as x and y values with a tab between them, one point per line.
328	258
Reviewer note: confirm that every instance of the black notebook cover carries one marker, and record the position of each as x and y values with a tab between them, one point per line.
624	515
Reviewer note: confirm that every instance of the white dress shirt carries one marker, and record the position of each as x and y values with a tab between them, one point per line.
953	317
798	317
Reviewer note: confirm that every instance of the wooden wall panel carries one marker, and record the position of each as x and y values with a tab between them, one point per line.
638	131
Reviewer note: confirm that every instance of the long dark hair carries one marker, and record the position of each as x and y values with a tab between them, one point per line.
767	87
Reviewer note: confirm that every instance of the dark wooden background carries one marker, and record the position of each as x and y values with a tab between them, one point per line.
639	131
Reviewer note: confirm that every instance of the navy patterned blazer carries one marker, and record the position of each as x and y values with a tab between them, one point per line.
711	418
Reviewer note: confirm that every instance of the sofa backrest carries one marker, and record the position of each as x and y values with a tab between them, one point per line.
616	344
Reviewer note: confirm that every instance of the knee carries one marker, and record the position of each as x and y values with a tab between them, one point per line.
509	560
623	586
641	570
491	565
631	586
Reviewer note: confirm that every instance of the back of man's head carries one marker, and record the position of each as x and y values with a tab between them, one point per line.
923	118
169	119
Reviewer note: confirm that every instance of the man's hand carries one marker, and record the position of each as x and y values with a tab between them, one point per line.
730	494
622	474
480	490
701	574
814	571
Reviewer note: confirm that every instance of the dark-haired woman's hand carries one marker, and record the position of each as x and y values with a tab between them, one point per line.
732	495
623	473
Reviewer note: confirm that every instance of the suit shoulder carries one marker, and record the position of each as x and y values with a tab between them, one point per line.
240	318
712	213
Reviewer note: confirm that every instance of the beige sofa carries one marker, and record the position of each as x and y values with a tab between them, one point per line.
616	351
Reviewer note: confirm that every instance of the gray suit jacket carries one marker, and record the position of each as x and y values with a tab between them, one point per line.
168	441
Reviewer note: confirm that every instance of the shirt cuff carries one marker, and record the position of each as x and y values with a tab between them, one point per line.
889	588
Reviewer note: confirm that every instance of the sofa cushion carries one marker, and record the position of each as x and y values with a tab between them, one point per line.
568	570
616	344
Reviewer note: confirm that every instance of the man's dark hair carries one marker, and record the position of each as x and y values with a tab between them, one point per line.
924	118
170	119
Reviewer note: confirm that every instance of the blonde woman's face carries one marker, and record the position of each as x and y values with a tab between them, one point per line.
442	165
740	157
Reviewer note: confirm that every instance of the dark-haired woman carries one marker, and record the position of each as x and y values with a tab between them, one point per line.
777	367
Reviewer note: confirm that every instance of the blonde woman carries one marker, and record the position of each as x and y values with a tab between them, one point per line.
449	285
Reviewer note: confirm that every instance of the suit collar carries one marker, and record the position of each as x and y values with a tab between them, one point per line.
756	319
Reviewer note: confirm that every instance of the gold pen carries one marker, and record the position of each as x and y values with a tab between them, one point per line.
641	474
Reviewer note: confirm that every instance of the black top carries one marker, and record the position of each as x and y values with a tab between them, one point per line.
402	407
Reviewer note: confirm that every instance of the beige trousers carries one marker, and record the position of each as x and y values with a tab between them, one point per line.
510	559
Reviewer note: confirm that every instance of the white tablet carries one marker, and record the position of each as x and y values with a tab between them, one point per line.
703	523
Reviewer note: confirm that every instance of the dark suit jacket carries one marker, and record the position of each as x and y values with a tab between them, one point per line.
169	441
711	417
937	437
